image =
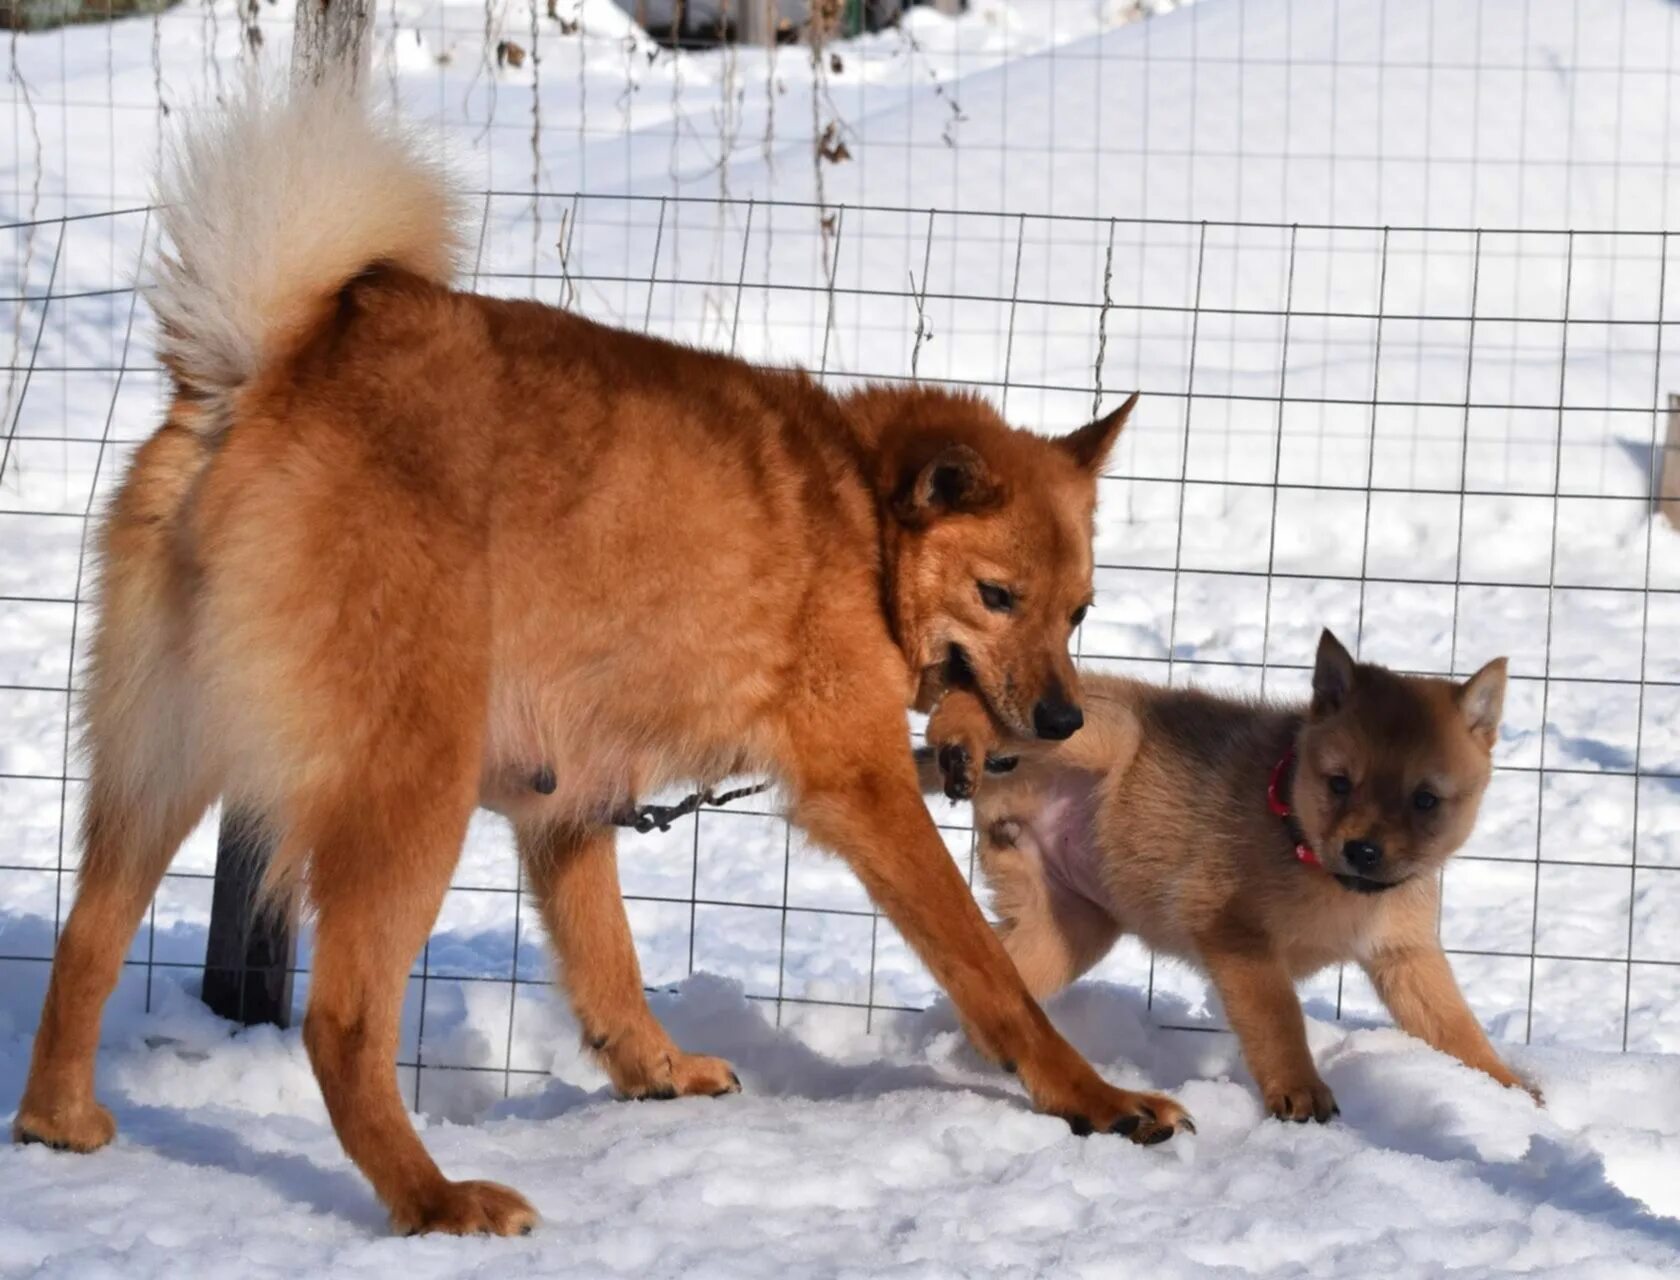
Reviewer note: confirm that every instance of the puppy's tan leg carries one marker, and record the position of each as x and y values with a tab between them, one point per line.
574	876
1265	1012
381	865
148	785
865	805
1417	985
962	734
1052	934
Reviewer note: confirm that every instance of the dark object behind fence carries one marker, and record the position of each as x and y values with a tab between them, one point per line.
250	955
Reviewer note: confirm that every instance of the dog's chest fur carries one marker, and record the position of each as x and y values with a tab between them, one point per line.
669	549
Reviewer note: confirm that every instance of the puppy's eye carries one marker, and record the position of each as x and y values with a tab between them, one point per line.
997	599
1079	614
1423	799
1340	784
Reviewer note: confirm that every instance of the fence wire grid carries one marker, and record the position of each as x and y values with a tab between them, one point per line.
1441	443
1381	393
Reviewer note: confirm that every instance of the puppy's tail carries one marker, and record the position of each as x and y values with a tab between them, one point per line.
269	207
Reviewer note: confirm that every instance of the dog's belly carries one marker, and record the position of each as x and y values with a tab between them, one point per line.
1060	832
586	747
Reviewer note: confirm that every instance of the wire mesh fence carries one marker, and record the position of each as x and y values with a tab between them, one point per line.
1441	443
1379	394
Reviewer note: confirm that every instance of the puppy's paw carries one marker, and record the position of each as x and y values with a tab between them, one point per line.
1301	1101
957	767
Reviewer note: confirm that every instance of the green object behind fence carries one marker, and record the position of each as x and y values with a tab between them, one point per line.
40	15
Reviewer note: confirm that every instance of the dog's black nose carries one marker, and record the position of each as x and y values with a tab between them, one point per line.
1362	855
1056	718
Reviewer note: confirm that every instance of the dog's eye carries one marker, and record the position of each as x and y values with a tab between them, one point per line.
1340	784
1423	799
1079	614
997	599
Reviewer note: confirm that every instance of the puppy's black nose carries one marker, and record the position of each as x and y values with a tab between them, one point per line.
1056	718
1362	855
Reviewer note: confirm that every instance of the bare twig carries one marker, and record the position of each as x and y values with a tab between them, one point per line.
923	333
28	231
568	287
956	116
1102	322
536	137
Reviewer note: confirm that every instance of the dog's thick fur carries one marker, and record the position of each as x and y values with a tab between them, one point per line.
1155	821
400	551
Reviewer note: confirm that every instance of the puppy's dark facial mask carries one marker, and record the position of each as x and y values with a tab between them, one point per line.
1392	768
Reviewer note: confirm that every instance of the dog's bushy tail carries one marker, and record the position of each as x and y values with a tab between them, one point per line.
269	206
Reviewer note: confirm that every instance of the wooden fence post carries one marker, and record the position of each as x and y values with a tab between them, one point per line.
330	34
249	958
1667	466
756	21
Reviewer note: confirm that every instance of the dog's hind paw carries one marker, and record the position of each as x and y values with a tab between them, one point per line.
680	1075
81	1128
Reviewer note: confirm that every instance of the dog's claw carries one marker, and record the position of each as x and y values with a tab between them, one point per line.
1187	1124
957	767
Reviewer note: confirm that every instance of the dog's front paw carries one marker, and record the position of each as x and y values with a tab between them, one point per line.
1301	1101
1145	1118
957	767
465	1209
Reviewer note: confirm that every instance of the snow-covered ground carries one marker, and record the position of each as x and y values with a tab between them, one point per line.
897	1156
1011	195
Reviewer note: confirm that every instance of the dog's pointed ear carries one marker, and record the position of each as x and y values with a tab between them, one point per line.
954	479
1092	443
1482	699
1332	675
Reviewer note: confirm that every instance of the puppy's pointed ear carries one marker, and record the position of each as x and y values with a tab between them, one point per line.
1332	675
954	479
1482	699
1091	444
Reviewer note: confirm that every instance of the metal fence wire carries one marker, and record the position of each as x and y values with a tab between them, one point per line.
1442	443
1380	394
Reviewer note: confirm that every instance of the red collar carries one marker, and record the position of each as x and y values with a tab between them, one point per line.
1278	805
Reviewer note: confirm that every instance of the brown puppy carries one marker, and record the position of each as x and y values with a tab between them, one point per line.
400	551
1259	843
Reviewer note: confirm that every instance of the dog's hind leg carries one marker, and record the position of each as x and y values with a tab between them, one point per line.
574	875
1051	933
150	782
126	854
381	858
